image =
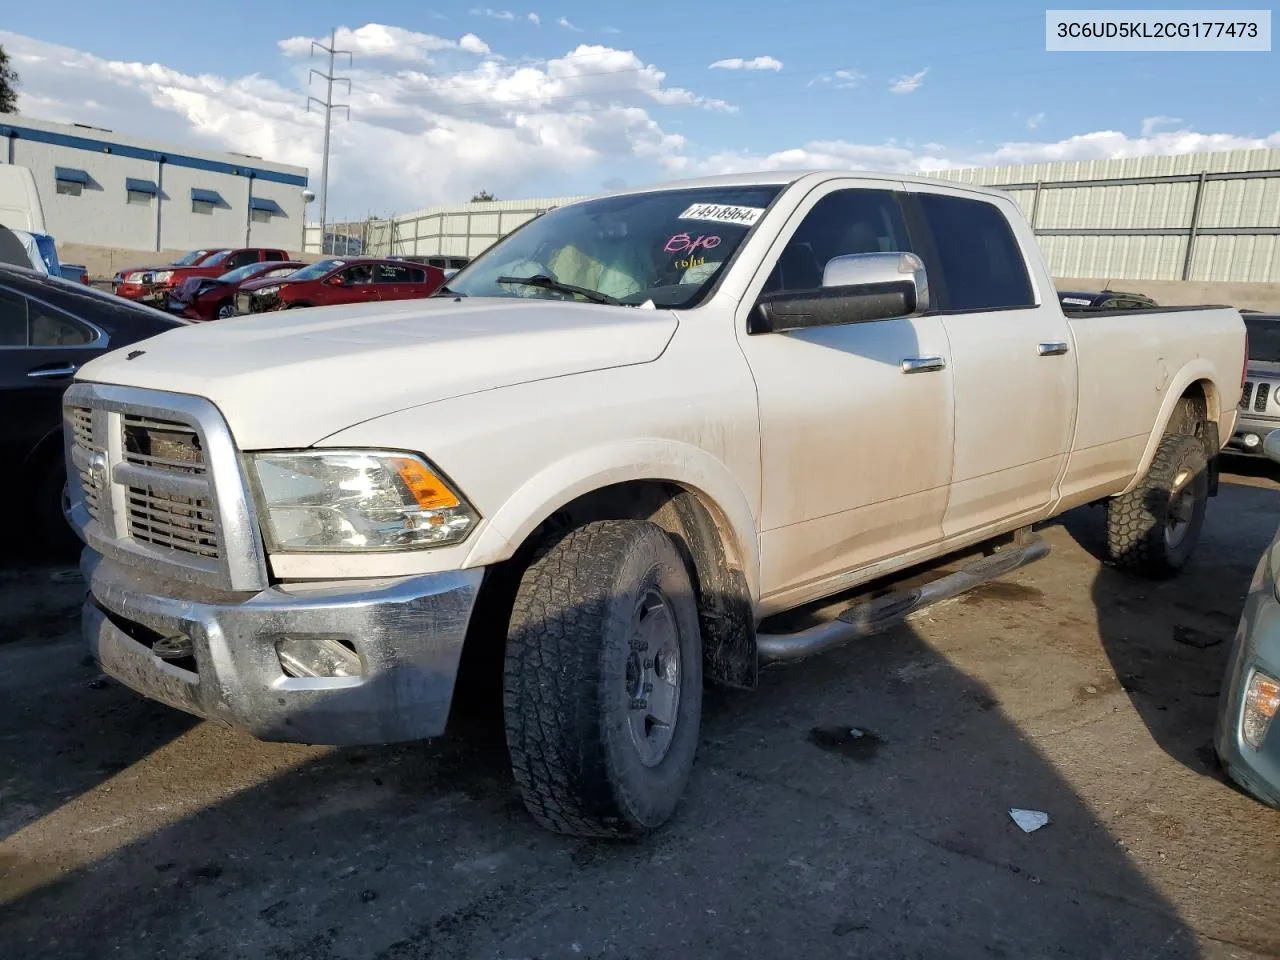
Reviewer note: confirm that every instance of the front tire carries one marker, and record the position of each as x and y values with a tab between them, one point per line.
602	685
1153	529
226	310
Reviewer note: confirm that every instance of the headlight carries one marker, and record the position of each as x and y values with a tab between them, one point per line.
162	277
270	291
1261	702
328	501
136	277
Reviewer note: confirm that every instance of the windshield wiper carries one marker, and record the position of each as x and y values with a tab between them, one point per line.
547	283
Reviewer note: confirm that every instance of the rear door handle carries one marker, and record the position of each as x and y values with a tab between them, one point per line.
923	364
51	373
1055	348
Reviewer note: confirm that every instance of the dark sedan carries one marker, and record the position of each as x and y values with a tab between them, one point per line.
49	328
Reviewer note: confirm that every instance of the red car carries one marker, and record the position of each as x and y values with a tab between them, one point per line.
214	298
152	284
341	280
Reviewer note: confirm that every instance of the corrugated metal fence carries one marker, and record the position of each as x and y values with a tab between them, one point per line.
1205	216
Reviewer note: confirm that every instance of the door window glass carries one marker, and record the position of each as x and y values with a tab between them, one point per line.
981	265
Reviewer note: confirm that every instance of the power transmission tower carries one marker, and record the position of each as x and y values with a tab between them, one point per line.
329	106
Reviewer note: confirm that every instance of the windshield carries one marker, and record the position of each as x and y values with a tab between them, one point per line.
215	259
194	257
315	271
1264	338
667	246
240	274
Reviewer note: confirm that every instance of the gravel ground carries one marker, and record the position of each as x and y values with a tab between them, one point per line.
130	830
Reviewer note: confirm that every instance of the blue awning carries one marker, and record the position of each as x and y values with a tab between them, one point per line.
134	185
207	196
267	204
71	175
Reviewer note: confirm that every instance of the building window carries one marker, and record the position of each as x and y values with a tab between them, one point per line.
138	198
139	192
70	181
67	188
203	207
260	216
204	201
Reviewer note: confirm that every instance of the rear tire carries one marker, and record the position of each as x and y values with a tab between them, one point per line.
602	681
1153	529
54	537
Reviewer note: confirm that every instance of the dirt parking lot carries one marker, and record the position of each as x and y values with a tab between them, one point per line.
130	830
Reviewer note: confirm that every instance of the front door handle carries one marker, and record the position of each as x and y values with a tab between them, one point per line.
50	373
1054	349
923	364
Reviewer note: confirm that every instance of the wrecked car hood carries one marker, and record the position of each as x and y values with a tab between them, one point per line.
290	378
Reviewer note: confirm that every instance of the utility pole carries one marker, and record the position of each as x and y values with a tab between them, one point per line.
329	106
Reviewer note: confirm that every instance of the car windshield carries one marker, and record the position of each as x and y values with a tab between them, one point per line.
314	271
216	258
194	257
248	271
1264	338
667	246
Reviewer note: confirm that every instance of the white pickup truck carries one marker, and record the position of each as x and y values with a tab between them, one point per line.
609	451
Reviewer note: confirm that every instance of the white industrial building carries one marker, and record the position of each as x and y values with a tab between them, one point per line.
1200	216
111	190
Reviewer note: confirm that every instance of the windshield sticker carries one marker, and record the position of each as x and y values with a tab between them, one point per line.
683	243
1077	301
723	213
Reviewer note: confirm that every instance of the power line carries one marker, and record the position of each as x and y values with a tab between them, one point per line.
329	107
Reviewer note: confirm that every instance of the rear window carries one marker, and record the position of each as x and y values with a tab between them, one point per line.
1264	338
982	267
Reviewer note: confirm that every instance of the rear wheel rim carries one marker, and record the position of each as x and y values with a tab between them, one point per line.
1182	508
653	677
225	311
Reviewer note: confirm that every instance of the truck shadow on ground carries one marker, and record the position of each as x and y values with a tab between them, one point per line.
1169	641
854	804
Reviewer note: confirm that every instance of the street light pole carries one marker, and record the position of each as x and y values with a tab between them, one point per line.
329	106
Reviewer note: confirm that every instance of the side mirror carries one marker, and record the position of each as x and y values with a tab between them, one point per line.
856	288
1271	446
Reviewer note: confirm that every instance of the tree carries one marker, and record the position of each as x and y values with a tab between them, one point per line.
484	196
8	85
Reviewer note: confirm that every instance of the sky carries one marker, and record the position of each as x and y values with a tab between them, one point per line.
561	98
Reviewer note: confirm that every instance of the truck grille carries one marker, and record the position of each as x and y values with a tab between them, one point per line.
82	434
164	518
1261	396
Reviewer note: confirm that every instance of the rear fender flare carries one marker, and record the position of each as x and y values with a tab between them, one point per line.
1196	370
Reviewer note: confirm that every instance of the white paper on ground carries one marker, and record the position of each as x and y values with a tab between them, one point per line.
1029	820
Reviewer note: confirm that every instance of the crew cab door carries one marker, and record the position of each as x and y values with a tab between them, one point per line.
855	452
1013	369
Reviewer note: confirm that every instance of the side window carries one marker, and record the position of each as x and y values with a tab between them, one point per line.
274	255
359	274
51	328
417	276
241	259
844	222
386	273
982	267
13	320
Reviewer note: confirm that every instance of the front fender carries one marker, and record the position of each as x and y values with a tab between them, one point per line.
588	470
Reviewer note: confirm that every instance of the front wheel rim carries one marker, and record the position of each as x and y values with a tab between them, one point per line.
1182	508
226	310
653	677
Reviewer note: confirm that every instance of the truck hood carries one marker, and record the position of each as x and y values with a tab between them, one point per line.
290	378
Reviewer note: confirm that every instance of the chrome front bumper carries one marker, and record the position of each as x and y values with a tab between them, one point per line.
408	633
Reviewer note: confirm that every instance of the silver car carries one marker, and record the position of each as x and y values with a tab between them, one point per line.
1248	739
1260	399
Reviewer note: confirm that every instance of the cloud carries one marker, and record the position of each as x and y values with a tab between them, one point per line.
470	43
1036	119
1151	124
909	83
417	135
534	19
839	80
374	41
492	14
755	63
564	22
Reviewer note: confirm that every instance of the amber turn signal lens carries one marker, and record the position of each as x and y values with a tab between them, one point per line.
428	489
